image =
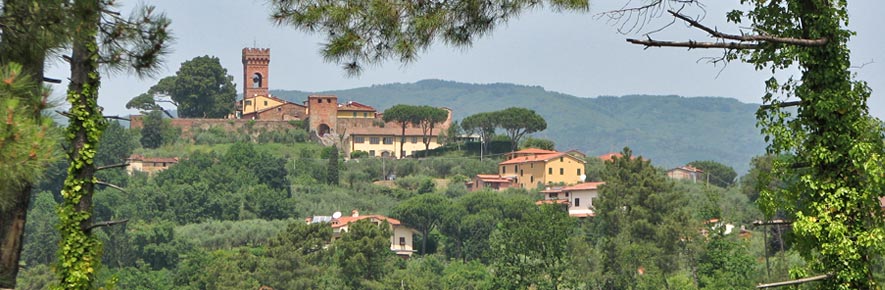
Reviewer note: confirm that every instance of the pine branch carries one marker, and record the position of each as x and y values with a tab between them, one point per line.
753	38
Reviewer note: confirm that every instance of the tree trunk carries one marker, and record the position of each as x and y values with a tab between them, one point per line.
12	229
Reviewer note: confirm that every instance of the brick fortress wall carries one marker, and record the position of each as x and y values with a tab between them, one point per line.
229	125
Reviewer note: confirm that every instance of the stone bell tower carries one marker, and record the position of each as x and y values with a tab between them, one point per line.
255	74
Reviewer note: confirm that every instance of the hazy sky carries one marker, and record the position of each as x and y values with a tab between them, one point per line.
573	53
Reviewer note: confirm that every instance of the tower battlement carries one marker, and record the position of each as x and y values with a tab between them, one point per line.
256	55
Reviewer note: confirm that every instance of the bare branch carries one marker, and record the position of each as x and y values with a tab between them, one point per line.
862	65
117	118
794	282
106	224
111	166
693	44
781	105
112	186
51	80
63	113
752	38
772	222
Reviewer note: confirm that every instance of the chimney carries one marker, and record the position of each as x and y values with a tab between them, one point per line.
354	213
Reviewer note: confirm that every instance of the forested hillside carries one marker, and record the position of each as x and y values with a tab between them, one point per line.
671	130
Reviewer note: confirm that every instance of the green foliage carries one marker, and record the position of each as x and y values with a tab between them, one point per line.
640	216
201	88
24	151
116	144
219	235
483	124
332	168
419	184
725	264
518	122
532	252
539	143
362	252
156	131
359	154
836	145
719	174
473	217
41	238
423	213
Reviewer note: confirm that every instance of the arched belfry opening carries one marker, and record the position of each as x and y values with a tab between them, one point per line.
257	80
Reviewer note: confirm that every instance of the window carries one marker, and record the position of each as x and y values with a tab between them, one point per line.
561	171
531	165
248	103
554	195
560	159
550	170
361	139
579	172
265	103
402	241
319	101
374	140
532	179
371	153
365	115
577	202
414	140
566	194
388	140
354	114
329	101
520	172
503	169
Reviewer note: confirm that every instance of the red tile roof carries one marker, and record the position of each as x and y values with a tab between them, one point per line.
345	220
354	106
535	158
494	178
533	151
583	186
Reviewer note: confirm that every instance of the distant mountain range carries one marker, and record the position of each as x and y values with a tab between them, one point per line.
669	130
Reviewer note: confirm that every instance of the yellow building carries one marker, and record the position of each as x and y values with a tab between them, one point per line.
381	139
535	167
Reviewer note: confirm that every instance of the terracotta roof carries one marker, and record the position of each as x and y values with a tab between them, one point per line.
345	220
536	158
533	151
137	157
495	178
354	106
583	186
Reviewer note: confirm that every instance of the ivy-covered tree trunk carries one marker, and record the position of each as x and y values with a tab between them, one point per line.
78	252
